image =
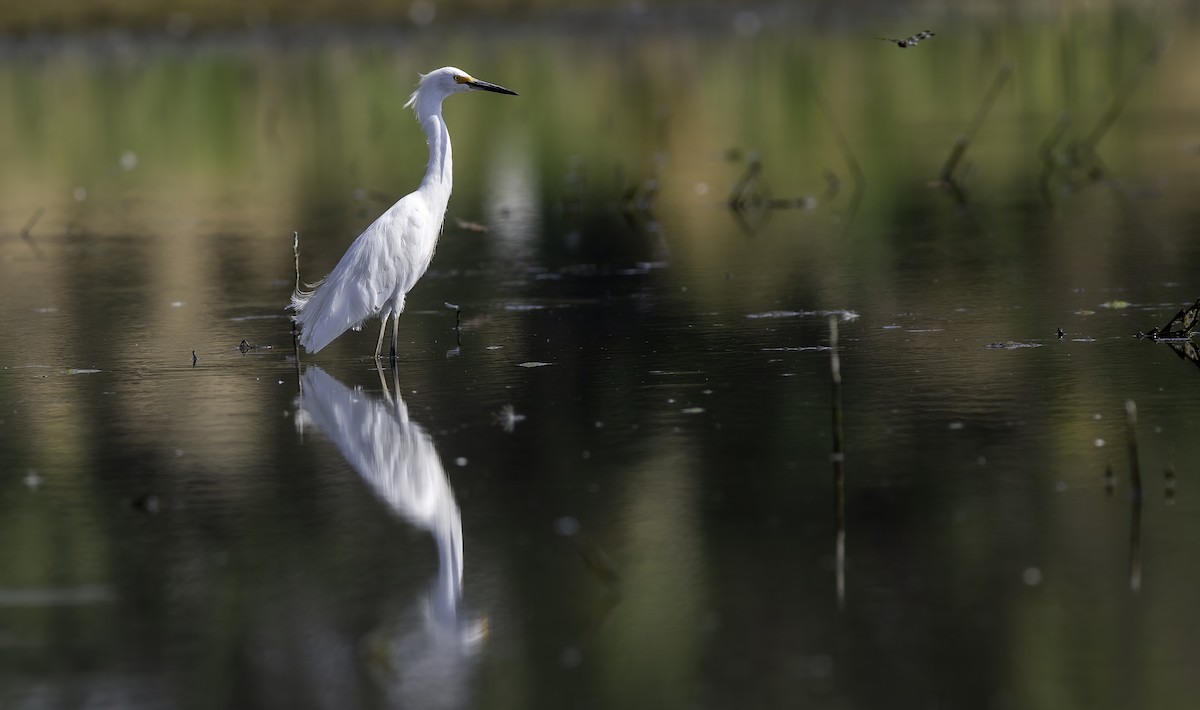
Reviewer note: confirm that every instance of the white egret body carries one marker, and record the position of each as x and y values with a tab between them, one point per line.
388	258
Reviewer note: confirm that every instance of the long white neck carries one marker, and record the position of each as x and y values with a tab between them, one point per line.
439	171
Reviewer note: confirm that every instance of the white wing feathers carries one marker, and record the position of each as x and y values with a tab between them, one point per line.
370	280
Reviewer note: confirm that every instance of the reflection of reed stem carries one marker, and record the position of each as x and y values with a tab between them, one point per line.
1135	546
856	172
838	458
27	232
1120	99
1135	532
1135	473
985	107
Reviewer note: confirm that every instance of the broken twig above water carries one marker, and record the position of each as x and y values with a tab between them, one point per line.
1180	327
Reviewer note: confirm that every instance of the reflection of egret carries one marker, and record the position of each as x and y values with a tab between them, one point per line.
398	461
388	258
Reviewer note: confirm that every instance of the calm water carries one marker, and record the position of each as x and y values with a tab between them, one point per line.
612	486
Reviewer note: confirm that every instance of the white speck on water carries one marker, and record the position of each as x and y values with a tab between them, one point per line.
955	426
32	480
1099	442
178	453
460	461
701	188
129	160
493	347
570	657
1060	486
599	425
80	194
566	526
693	410
176	304
1032	576
1097	416
706	392
586	454
982	460
534	363
281	382
820	666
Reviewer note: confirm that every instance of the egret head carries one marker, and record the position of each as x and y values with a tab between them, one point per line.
440	83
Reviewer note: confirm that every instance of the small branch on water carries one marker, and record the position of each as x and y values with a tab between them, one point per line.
26	232
295	332
296	256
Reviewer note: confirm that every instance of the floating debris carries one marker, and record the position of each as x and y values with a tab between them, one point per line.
1116	304
908	41
246	347
1011	345
81	371
844	316
241	319
55	596
470	226
534	363
692	410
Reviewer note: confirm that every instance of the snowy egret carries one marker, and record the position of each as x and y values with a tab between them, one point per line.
388	258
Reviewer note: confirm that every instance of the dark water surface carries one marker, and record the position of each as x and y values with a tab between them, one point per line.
612	486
